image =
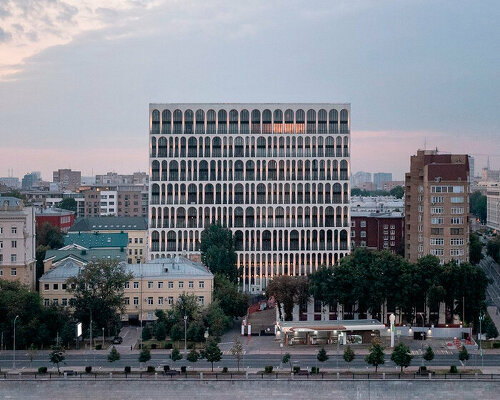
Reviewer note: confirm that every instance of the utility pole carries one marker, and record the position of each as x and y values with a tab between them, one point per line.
14	346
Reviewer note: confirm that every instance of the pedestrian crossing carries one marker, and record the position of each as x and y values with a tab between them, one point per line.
420	352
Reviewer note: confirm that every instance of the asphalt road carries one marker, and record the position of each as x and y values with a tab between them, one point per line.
252	361
492	270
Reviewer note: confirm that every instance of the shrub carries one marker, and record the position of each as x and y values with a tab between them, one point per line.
296	369
315	370
268	369
168	346
127	369
224	369
496	345
151	368
453	369
153	346
98	346
88	369
183	369
166	368
42	370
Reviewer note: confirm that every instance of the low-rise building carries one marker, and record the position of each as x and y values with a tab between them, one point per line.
375	204
17	242
96	240
135	227
57	217
54	257
156	285
378	231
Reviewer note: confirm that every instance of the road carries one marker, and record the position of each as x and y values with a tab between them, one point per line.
492	270
251	361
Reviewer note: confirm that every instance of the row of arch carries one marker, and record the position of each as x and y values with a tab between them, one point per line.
282	193
258	269
249	217
256	240
222	122
328	146
250	170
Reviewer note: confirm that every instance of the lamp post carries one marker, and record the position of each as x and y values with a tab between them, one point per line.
14	345
103	338
185	335
481	319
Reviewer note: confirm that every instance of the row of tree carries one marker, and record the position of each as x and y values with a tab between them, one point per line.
366	280
397	192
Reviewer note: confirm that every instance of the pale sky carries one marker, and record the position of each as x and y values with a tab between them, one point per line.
76	76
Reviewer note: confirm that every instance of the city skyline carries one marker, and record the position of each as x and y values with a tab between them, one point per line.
78	76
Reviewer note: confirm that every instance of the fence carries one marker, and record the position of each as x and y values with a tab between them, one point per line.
245	376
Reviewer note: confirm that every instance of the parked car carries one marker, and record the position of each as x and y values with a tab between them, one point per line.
117	340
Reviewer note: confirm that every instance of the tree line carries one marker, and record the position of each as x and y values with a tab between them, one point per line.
365	280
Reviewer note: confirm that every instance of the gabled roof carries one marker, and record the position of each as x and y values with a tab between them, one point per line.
67	269
119	224
85	255
97	240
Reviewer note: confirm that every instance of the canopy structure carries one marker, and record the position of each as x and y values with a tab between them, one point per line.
328	332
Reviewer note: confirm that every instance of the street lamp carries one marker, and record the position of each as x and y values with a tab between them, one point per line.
14	346
103	338
481	319
185	335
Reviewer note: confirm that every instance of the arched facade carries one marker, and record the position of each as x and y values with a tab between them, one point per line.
277	175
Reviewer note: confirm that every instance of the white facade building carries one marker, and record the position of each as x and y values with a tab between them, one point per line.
493	206
17	242
278	175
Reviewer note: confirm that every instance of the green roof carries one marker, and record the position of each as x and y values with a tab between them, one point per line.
86	255
97	240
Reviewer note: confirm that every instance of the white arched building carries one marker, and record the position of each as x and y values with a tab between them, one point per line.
278	175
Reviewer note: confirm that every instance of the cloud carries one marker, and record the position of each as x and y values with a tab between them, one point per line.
40	24
4	36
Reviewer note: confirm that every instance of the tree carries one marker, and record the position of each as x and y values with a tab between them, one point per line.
397	192
348	354
160	331
429	354
287	359
215	319
463	355
288	291
175	355
212	352
57	356
146	333
489	328
49	235
144	355
401	356
237	350
478	205
233	302
113	355
376	355
475	249
218	251
322	356
98	289
493	248
193	355
68	204
32	353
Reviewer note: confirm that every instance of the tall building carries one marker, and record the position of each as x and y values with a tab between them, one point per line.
67	179
380	177
361	177
30	180
493	206
471	167
278	175
437	206
17	242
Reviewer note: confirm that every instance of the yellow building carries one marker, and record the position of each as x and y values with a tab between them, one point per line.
135	227
156	284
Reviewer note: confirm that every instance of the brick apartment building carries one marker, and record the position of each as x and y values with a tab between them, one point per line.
437	206
380	231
